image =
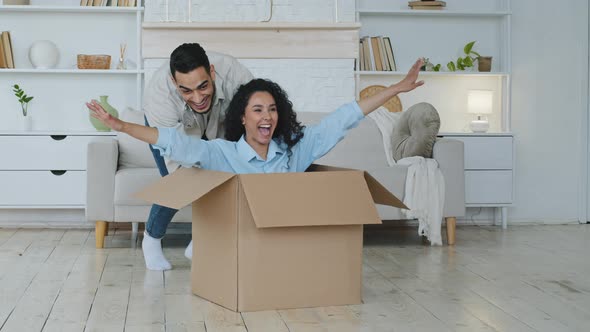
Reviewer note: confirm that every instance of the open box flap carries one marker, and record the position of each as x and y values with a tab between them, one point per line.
379	193
309	199
182	187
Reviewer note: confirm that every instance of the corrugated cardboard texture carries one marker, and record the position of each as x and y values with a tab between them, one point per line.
309	199
182	187
215	240
296	267
381	195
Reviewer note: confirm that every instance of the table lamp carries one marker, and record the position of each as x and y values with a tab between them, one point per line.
479	102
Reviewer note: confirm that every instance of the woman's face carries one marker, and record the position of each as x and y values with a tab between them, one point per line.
260	119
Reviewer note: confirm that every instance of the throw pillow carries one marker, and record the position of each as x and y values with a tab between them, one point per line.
416	132
133	152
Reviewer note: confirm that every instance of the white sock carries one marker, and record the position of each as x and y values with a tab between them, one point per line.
188	252
153	254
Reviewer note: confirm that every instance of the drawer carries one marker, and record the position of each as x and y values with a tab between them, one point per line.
44	152
488	187
487	152
22	188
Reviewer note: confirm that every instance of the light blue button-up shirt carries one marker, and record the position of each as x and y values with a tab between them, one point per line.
239	157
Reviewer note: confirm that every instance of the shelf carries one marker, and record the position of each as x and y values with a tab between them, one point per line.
431	13
251	25
431	73
70	9
73	71
470	134
57	133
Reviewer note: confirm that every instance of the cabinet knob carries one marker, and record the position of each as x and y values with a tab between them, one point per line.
58	137
58	172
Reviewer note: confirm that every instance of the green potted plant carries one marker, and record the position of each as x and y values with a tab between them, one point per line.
24	101
429	66
484	62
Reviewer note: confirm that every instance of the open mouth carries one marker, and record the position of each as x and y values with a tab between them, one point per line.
264	129
202	106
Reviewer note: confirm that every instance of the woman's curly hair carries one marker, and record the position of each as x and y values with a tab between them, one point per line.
288	130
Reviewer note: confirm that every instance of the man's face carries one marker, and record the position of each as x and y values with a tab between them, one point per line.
197	88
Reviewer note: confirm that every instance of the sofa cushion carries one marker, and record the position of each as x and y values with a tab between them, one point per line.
133	152
357	149
416	132
129	181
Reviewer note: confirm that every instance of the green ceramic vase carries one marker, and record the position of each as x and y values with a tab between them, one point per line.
103	101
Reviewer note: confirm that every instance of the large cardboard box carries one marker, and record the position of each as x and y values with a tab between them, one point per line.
276	241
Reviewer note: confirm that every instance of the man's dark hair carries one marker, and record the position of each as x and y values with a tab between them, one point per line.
288	130
188	57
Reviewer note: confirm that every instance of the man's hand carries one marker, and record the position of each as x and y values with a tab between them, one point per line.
409	82
99	113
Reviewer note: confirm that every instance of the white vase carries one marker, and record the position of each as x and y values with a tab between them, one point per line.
43	54
27	122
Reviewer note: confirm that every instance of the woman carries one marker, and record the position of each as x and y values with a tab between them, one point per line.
262	132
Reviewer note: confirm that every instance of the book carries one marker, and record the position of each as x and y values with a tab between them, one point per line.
369	60
389	52
2	57
427	7
384	62
427	3
361	59
376	54
7	44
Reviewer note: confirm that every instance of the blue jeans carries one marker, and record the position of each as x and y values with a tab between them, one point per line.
160	216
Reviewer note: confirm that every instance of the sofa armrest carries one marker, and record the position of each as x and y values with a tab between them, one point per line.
449	154
102	158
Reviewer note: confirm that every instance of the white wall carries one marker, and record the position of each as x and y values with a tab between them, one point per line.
549	84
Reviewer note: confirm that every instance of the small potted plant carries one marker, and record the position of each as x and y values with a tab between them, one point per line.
429	66
484	62
24	101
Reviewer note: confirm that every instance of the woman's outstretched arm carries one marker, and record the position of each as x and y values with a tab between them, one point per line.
409	83
142	133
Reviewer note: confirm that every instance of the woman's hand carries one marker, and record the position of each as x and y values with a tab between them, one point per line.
99	113
409	82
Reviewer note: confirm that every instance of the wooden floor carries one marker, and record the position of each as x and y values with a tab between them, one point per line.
528	278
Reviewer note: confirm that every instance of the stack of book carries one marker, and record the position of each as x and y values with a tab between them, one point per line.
111	3
375	53
427	4
6	55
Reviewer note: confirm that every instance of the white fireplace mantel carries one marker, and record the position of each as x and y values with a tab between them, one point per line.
255	40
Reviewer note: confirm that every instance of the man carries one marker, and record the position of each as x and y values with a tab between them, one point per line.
192	92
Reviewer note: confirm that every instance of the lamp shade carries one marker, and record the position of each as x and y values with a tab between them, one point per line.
480	101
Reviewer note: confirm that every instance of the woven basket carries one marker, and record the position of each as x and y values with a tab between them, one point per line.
94	61
394	104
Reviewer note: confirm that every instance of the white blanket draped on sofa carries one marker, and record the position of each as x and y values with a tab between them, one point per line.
425	185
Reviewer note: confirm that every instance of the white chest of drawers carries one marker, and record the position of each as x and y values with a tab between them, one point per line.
44	170
489	170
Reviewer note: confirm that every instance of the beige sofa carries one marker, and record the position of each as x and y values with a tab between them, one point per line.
119	167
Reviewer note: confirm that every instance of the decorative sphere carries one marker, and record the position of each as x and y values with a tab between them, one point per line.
43	54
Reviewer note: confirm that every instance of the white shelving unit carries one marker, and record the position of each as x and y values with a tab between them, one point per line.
46	167
92	29
440	36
